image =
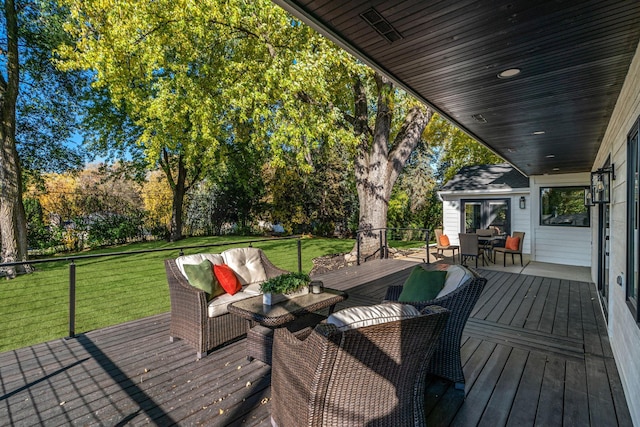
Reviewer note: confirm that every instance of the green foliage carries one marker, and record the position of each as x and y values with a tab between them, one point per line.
454	149
113	229
285	283
316	198
50	100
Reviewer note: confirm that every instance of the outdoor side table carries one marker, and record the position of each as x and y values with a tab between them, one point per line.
295	313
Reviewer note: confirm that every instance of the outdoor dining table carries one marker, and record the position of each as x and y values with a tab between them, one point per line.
489	242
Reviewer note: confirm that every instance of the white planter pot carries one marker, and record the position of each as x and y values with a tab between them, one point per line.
270	299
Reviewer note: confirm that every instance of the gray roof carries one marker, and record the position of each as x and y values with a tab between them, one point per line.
486	177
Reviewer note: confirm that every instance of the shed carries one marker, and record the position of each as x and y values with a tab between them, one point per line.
499	196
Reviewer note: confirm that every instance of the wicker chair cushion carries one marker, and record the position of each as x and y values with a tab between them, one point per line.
218	306
358	317
456	276
246	263
422	285
227	278
201	276
197	259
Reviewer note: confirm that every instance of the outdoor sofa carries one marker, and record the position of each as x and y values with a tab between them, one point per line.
205	323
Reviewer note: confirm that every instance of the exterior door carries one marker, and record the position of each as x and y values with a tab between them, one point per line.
485	213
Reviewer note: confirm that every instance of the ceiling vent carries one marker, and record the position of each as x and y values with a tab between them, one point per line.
479	118
381	25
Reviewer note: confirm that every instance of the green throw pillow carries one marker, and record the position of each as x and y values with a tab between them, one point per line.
201	276
422	285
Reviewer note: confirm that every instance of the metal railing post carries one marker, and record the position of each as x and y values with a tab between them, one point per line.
72	300
426	246
358	248
299	256
381	245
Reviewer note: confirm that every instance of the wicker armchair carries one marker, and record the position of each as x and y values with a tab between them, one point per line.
189	317
373	376
446	361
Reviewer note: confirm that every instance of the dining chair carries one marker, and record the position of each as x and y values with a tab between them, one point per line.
442	244
470	248
511	250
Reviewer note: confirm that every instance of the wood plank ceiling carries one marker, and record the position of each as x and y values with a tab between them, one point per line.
573	58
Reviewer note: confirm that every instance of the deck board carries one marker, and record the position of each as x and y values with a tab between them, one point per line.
534	352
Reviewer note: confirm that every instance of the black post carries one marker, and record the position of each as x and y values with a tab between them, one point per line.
72	300
381	246
427	245
358	247
299	256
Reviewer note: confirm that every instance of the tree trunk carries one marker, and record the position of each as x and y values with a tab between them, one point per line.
13	230
378	164
178	188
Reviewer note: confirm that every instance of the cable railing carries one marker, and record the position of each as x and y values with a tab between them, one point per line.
382	236
72	294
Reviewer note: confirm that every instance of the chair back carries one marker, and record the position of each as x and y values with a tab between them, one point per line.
519	234
374	375
438	233
469	244
486	232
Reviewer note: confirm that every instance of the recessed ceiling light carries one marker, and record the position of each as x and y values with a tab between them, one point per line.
507	74
538	132
550	156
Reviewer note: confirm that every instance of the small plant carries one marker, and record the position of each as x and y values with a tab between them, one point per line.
285	283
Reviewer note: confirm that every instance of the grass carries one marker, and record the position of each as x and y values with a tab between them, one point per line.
34	308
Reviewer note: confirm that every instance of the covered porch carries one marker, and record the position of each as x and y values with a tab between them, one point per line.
535	351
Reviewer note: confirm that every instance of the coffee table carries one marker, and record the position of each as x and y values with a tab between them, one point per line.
295	314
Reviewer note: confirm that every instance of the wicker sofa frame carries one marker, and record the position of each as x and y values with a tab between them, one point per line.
446	362
373	376
189	319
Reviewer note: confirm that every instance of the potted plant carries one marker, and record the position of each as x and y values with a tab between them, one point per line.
285	286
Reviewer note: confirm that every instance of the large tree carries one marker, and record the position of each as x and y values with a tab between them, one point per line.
187	74
13	228
38	108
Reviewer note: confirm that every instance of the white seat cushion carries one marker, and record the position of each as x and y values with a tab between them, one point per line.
218	305
197	259
252	289
358	317
246	263
456	276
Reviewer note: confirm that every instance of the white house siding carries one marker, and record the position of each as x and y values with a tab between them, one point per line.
451	219
624	332
557	244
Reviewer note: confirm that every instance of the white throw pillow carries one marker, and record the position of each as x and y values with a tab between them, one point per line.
357	317
456	276
246	263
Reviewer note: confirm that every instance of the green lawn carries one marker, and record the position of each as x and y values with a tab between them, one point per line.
34	308
110	290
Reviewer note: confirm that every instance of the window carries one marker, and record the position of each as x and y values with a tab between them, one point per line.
488	213
563	206
633	217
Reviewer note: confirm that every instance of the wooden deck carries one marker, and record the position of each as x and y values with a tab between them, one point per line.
535	352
